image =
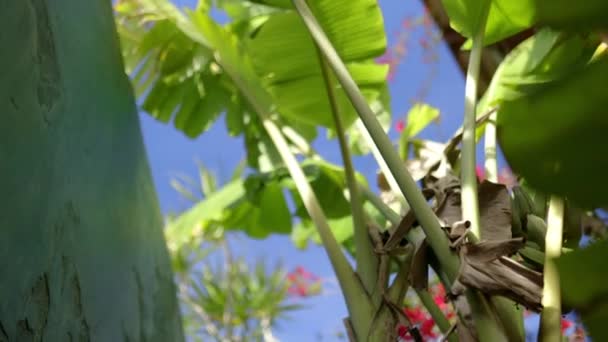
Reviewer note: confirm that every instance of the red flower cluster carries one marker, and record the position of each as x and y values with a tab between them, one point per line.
303	283
421	319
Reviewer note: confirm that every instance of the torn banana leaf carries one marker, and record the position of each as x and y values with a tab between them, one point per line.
486	267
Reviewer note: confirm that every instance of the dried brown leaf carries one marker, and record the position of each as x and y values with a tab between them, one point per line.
485	267
494	211
419	274
400	231
494	206
449	208
486	251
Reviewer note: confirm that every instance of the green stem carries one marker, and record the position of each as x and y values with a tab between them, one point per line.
511	317
442	322
487	323
366	259
396	292
470	207
357	301
297	140
211	36
399	282
390	179
550	318
430	224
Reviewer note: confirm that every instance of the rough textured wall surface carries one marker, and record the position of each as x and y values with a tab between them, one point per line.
82	255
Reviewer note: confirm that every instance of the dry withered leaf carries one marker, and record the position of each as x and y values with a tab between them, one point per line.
447	195
494	207
494	211
400	231
397	234
486	267
419	273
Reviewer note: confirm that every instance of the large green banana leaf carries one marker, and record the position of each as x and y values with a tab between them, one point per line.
178	78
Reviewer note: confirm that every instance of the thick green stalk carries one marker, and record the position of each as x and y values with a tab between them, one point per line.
358	303
390	179
550	318
367	261
435	235
511	317
470	207
488	328
487	323
413	237
209	35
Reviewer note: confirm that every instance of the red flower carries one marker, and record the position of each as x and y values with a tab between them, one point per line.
440	301
402	331
400	126
305	273
427	328
415	315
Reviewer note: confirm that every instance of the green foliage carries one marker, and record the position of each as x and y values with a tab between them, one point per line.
231	300
285	56
176	74
552	135
545	57
506	17
549	90
419	116
257	204
578	16
585	288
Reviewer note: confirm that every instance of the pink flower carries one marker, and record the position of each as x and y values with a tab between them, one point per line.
415	315
400	126
302	283
480	173
305	273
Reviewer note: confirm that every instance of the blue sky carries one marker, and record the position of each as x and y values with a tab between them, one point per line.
170	153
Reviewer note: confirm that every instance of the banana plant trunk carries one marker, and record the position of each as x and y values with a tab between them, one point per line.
82	253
